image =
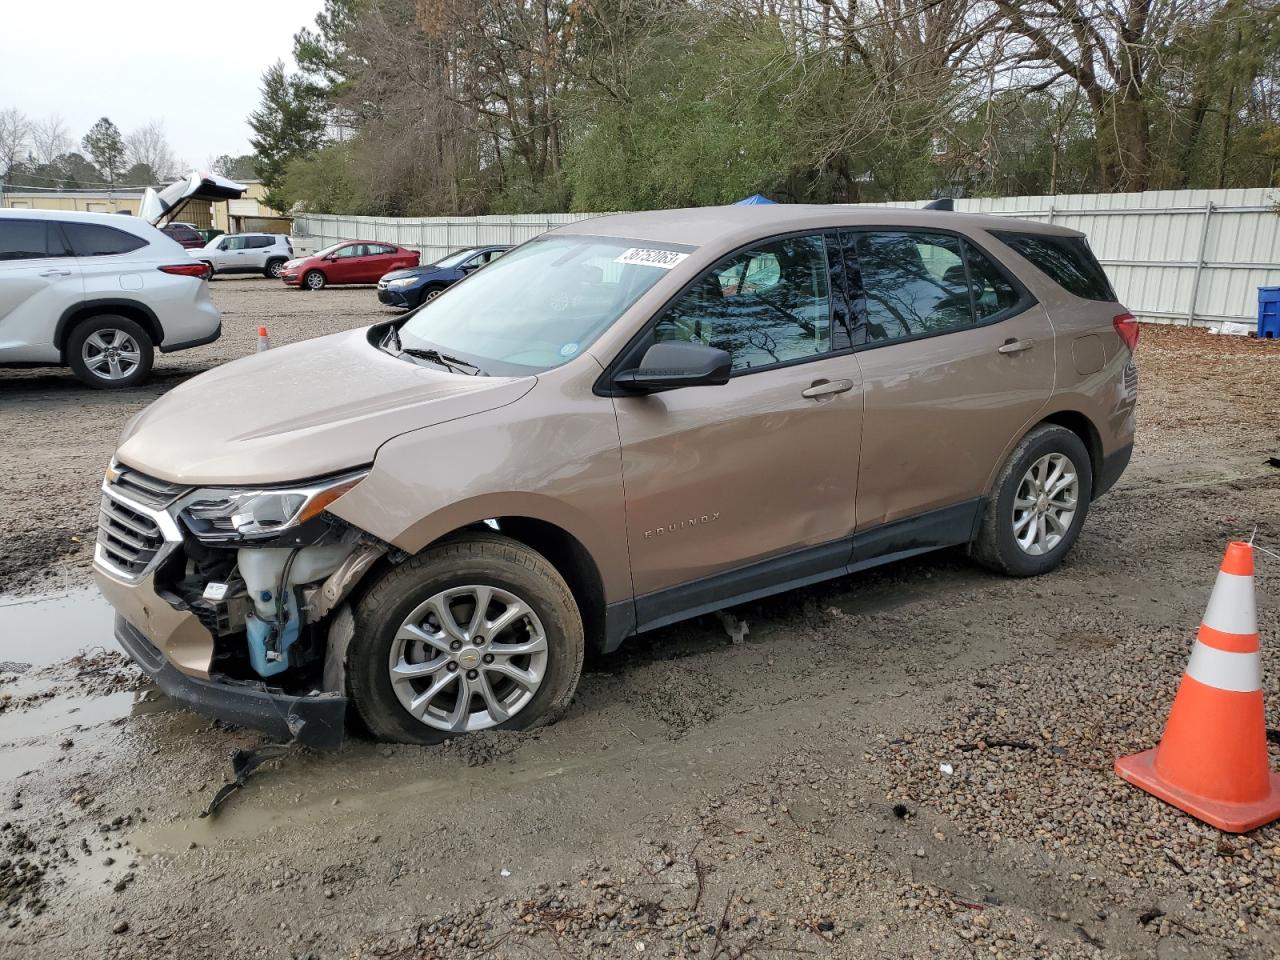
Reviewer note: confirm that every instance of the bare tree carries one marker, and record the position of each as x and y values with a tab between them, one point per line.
15	138
50	140
148	146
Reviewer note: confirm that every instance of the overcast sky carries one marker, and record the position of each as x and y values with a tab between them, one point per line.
195	67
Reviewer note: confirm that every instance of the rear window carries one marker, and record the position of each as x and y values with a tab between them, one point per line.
96	240
30	240
1067	261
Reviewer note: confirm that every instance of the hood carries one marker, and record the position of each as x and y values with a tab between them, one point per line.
413	272
167	203
301	411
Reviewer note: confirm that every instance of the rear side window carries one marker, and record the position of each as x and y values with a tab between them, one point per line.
31	240
1067	261
96	240
907	284
258	242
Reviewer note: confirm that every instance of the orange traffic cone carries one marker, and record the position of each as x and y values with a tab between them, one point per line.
264	341
1212	759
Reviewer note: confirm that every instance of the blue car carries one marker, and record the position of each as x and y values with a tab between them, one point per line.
414	286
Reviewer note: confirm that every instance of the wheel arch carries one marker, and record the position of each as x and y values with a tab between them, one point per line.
1084	428
140	313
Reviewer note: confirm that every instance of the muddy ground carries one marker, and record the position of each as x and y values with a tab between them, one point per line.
914	761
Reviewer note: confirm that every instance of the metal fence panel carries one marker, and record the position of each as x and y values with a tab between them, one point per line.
1173	255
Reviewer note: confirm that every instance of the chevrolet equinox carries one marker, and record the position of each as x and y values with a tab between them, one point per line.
624	423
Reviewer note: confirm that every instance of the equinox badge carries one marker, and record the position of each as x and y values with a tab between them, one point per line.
681	525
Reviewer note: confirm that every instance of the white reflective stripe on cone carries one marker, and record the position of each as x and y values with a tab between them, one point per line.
1231	605
1238	672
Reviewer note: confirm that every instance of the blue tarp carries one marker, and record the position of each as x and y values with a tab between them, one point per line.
753	200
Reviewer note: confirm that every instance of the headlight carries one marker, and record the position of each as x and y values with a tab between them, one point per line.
402	282
223	514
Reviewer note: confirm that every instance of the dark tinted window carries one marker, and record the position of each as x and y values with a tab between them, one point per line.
30	240
1067	260
95	240
254	243
912	284
769	305
992	291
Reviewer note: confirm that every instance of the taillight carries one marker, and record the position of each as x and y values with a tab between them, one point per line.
1127	329
200	270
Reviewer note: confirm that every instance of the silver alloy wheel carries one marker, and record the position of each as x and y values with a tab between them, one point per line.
315	280
110	354
431	295
276	268
469	658
1045	504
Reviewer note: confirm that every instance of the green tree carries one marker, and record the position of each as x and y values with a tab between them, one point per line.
324	182
289	124
235	168
105	145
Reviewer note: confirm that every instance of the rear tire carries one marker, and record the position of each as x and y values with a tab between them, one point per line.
399	622
110	352
1039	505
313	280
273	269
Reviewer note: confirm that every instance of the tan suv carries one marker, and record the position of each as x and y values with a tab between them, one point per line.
624	423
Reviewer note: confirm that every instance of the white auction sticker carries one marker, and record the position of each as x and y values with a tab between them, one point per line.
643	257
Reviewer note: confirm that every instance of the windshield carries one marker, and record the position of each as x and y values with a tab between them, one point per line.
539	305
455	258
332	247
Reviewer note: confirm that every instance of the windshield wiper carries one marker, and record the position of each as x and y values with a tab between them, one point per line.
444	360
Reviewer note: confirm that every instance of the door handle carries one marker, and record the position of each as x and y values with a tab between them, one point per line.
825	388
54	272
1016	346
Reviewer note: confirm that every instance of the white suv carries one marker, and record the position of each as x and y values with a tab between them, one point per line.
99	293
263	253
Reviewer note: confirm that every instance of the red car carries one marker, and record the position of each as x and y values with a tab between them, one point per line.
185	234
351	261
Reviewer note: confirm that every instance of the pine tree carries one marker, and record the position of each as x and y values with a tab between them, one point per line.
288	124
105	145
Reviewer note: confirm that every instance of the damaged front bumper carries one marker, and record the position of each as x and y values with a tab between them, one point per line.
251	633
315	720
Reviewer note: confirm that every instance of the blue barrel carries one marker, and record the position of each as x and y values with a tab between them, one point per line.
1269	312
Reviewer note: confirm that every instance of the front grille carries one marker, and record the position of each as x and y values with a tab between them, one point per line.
137	486
382	284
129	539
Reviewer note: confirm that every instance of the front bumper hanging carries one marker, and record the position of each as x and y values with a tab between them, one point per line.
315	720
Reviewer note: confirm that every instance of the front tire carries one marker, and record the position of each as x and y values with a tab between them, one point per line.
1039	505
428	662
430	293
110	352
314	280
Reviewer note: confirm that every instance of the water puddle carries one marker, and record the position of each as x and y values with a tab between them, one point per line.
40	631
48	707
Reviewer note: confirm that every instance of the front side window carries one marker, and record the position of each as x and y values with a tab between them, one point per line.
355	250
30	240
540	305
96	240
769	305
233	243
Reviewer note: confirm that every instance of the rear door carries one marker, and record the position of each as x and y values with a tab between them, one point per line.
957	360
255	250
381	259
39	280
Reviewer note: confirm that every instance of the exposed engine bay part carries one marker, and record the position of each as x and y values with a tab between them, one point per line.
272	576
334	590
161	206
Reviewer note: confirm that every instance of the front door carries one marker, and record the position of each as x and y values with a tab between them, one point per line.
749	485
345	265
957	361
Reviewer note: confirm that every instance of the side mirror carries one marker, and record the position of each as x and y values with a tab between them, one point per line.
668	366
